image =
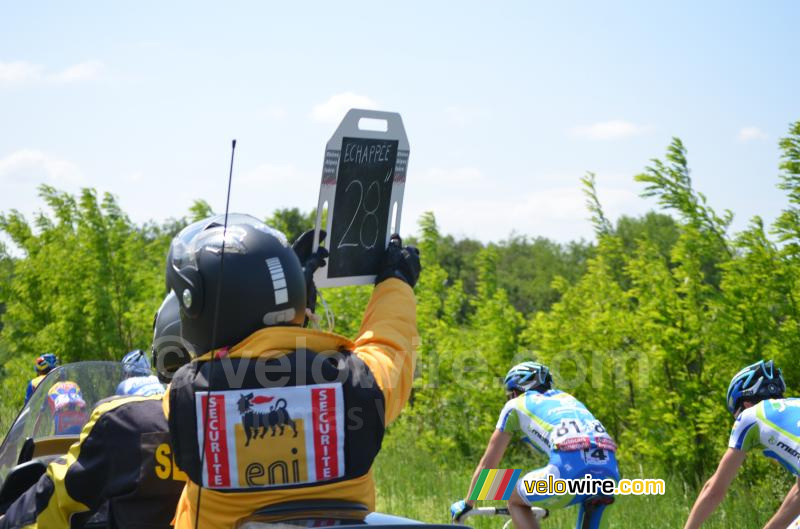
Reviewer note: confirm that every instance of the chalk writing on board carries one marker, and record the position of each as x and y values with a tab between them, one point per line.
361	205
370	217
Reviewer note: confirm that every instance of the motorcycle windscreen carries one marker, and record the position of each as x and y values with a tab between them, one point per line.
61	405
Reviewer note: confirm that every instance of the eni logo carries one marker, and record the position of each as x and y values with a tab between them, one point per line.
165	464
276	473
257	424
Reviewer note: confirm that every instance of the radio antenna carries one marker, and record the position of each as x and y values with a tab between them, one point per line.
214	341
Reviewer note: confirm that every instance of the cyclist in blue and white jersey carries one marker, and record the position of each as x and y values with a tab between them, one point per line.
766	420
558	426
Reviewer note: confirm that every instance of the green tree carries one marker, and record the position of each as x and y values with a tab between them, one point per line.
84	279
292	222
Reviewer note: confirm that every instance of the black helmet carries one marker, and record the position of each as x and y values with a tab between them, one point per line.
169	350
260	283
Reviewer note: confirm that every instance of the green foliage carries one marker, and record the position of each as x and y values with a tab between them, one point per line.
409	483
665	314
788	224
647	335
86	275
292	222
601	223
646	325
670	182
526	267
200	210
86	285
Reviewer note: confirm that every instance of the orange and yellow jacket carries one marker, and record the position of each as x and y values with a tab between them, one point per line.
279	453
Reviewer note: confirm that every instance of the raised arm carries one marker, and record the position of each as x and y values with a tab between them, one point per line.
789	509
387	340
494	453
715	488
388	335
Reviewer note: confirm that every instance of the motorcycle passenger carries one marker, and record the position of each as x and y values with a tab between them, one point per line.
43	365
279	412
766	420
139	378
123	457
557	425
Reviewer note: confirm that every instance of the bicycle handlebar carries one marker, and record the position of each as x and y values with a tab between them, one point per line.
538	512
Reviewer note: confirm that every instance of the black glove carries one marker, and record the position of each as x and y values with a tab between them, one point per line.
399	262
311	261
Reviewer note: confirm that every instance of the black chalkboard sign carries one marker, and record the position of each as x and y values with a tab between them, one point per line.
363	179
363	192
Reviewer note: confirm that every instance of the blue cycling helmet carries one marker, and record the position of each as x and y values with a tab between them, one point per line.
526	376
136	364
761	380
45	363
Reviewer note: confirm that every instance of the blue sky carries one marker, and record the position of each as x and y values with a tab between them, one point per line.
506	104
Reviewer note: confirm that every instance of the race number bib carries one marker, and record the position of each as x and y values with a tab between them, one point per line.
578	434
263	438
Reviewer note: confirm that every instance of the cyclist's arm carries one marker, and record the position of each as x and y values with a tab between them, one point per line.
491	457
387	339
789	510
715	488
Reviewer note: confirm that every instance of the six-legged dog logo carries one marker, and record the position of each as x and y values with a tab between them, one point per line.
255	422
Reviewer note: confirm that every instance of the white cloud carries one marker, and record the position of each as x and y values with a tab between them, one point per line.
609	130
19	72
84	71
266	187
751	133
31	164
559	213
468	201
334	109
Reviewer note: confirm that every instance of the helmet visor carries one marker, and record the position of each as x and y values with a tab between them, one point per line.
211	235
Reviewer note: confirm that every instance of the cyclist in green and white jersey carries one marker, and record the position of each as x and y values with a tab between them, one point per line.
558	426
766	420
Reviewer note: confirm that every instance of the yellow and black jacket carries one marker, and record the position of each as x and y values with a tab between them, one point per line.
292	414
123	457
32	385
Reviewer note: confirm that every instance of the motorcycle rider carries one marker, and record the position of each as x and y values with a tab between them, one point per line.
557	425
139	378
43	365
763	419
323	399
123	458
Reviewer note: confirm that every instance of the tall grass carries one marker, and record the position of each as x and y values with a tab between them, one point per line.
414	483
422	486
